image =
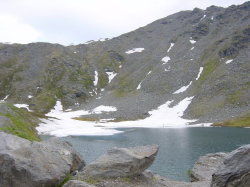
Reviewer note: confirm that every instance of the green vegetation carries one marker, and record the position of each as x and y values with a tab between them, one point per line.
209	68
43	102
124	87
102	80
86	119
125	179
91	181
189	173
65	180
235	97
243	121
206	105
23	123
120	119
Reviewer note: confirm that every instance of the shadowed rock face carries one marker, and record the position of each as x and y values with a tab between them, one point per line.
32	164
235	170
206	166
121	162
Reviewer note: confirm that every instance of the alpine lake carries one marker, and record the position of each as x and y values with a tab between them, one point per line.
179	147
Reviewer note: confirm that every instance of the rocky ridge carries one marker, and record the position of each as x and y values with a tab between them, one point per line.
206	51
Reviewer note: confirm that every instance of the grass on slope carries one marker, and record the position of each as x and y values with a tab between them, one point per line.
243	121
23	123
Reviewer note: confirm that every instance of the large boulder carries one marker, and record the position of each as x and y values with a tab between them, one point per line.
30	164
121	162
206	166
235	170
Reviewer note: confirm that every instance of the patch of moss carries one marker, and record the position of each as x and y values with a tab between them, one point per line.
120	119
209	68
124	87
23	123
85	119
8	75
91	181
235	97
102	80
125	179
65	180
109	60
44	102
206	106
189	173
243	121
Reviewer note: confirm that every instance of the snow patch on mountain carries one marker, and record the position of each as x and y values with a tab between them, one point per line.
111	75
23	106
183	88
199	74
192	41
96	79
229	61
135	50
100	109
4	99
165	59
171	45
203	17
139	86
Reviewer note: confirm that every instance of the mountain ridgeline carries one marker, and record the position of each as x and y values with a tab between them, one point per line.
204	54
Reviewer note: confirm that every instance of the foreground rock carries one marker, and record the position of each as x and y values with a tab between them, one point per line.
76	183
206	166
121	162
31	164
235	170
146	179
124	167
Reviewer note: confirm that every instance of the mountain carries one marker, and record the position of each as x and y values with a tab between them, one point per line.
202	55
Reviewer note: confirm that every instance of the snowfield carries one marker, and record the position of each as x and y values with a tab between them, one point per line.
61	123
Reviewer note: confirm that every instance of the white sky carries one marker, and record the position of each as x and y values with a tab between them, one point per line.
77	21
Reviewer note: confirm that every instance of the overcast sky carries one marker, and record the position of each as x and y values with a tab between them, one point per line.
78	21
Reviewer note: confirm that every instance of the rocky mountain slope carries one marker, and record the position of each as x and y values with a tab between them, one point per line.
202	54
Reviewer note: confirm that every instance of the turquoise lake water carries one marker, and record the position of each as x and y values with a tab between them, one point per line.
179	148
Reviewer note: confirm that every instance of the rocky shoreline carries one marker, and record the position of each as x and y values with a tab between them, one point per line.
54	162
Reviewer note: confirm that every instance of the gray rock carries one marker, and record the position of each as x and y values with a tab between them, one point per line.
206	166
4	121
76	183
235	170
146	179
121	162
30	164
